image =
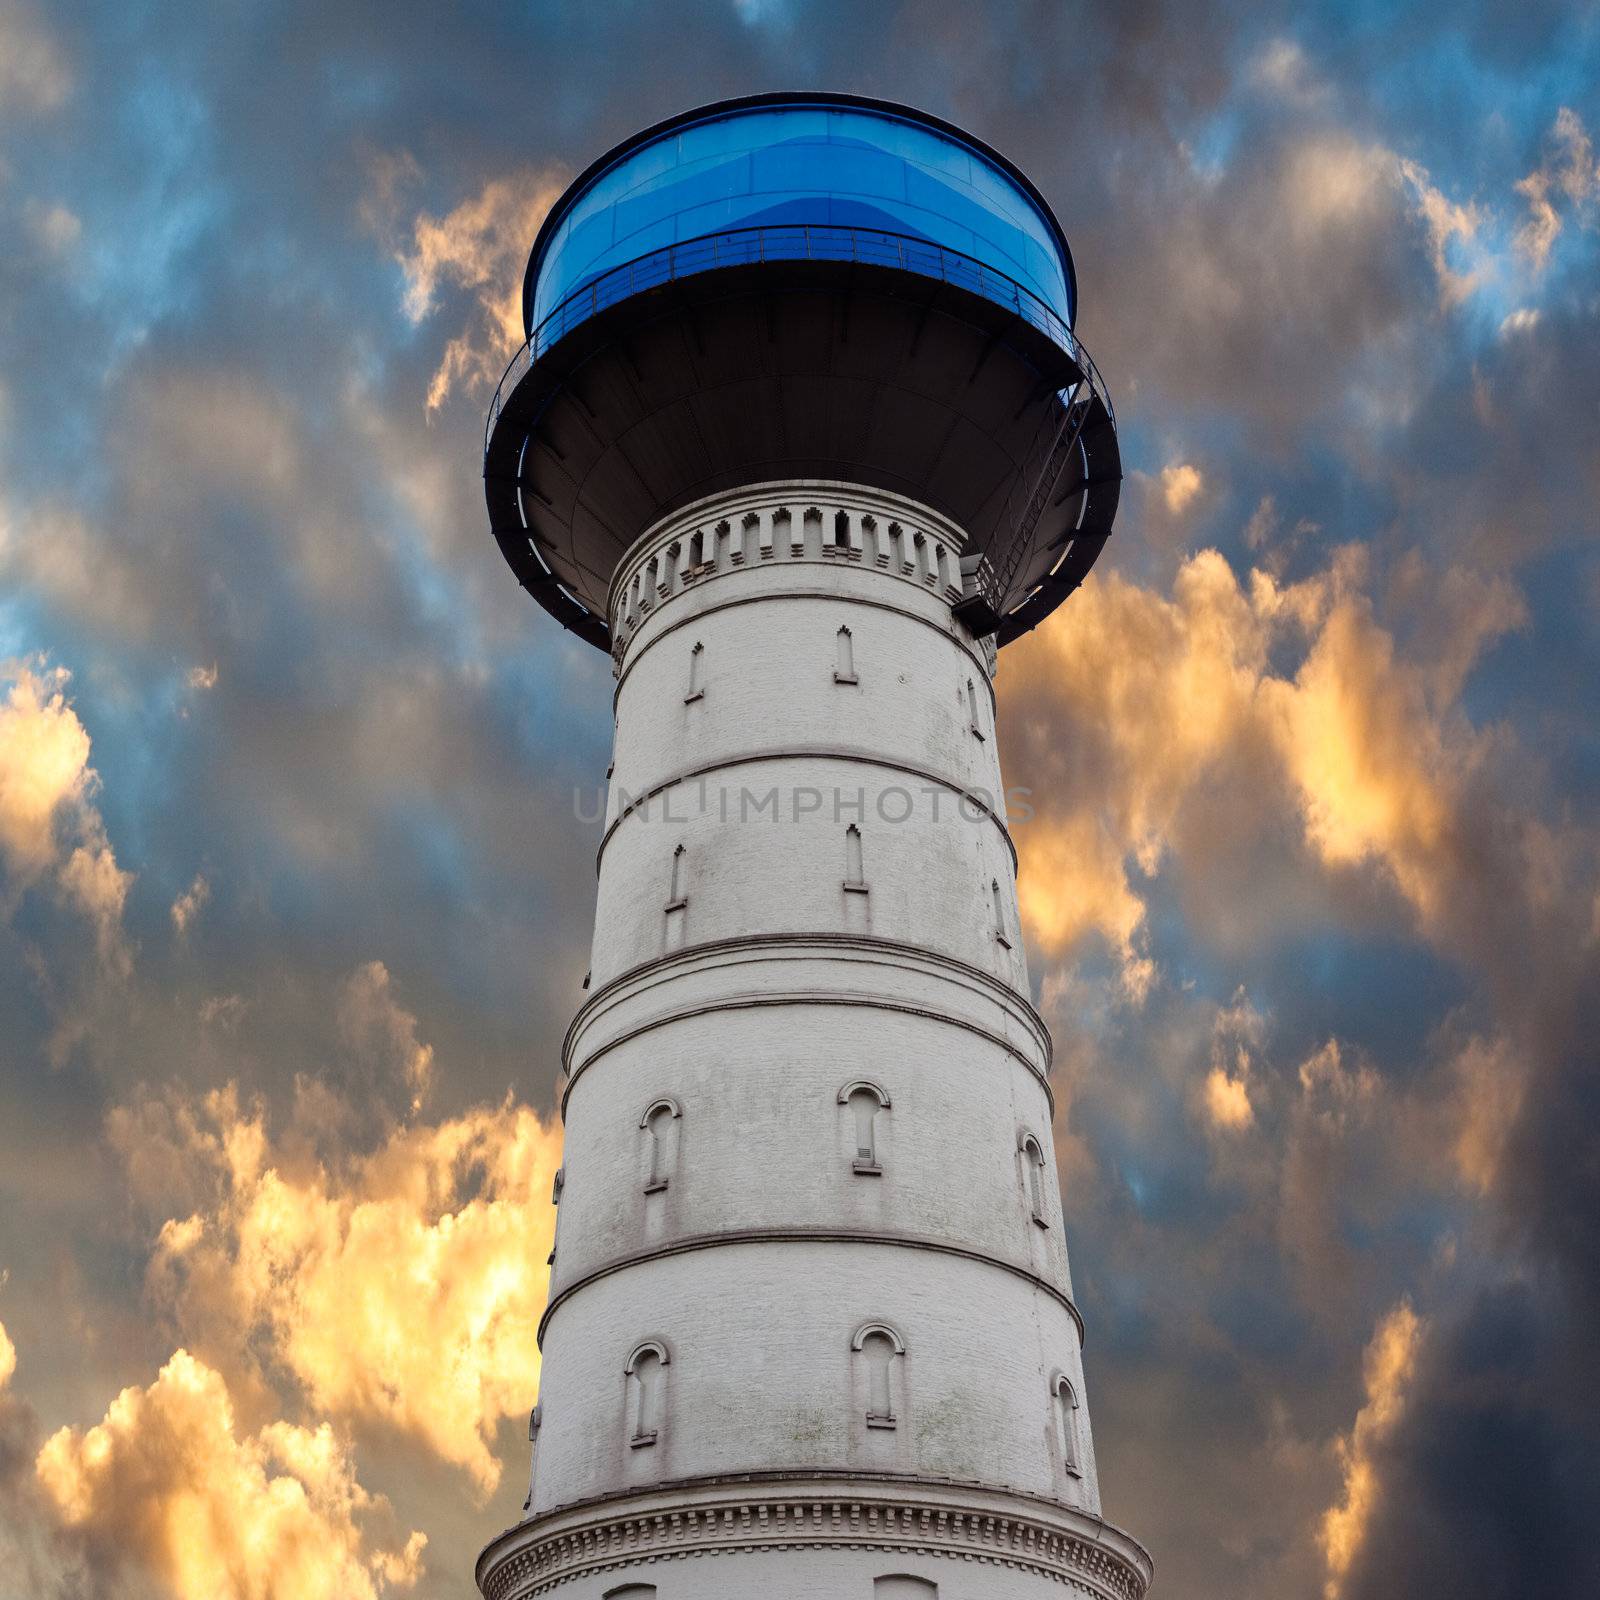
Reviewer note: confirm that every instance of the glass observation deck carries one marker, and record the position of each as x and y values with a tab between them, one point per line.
803	286
792	161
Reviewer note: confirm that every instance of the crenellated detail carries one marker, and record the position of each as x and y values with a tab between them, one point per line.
835	524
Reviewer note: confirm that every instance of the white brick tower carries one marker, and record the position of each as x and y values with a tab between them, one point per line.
810	1332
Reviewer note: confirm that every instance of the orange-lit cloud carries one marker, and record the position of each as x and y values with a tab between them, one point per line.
167	1488
1568	172
1123	705
1225	1093
1181	484
190	903
1490	1081
482	246
1131	703
1391	1358
50	825
401	1286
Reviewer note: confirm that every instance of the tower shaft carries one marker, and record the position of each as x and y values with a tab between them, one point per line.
811	1330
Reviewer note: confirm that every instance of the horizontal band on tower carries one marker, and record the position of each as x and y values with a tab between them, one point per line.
806	753
853	601
772	1511
877	948
806	997
744	1236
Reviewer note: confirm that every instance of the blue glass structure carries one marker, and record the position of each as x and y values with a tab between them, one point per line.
802	286
799	162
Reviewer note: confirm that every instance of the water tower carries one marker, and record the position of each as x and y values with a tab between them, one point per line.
802	435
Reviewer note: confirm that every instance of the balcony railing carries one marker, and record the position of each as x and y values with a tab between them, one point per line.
789	242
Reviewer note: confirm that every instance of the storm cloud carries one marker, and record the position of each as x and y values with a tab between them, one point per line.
295	897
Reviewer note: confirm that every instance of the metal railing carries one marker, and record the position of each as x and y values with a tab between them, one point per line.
789	242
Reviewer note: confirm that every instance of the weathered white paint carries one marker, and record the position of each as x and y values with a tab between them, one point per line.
723	1229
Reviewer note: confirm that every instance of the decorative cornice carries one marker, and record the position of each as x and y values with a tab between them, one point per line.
757	525
745	758
1024	1533
727	1237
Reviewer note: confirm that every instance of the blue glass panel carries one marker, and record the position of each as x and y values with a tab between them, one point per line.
859	169
802	164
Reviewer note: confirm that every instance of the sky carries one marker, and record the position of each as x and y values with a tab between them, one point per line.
295	901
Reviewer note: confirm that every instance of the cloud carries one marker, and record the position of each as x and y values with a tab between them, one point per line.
32	1559
34	74
1491	1080
382	1035
166	1487
1390	1361
399	1286
1116	716
1372	767
44	766
49	822
1568	172
1282	68
54	228
190	903
1134	705
1225	1093
1453	232
1304	273
481	246
1181	484
1227	1101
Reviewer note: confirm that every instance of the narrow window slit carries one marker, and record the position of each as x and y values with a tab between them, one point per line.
844	657
854	880
1000	933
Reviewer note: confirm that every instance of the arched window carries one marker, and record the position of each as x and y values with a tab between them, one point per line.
854	879
631	1591
1066	1404
841	530
881	1355
697	688
865	1100
999	913
1034	1176
972	708
676	898
902	1586
646	1373
659	1124
844	657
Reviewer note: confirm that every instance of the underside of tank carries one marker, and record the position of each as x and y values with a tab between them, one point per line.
838	369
